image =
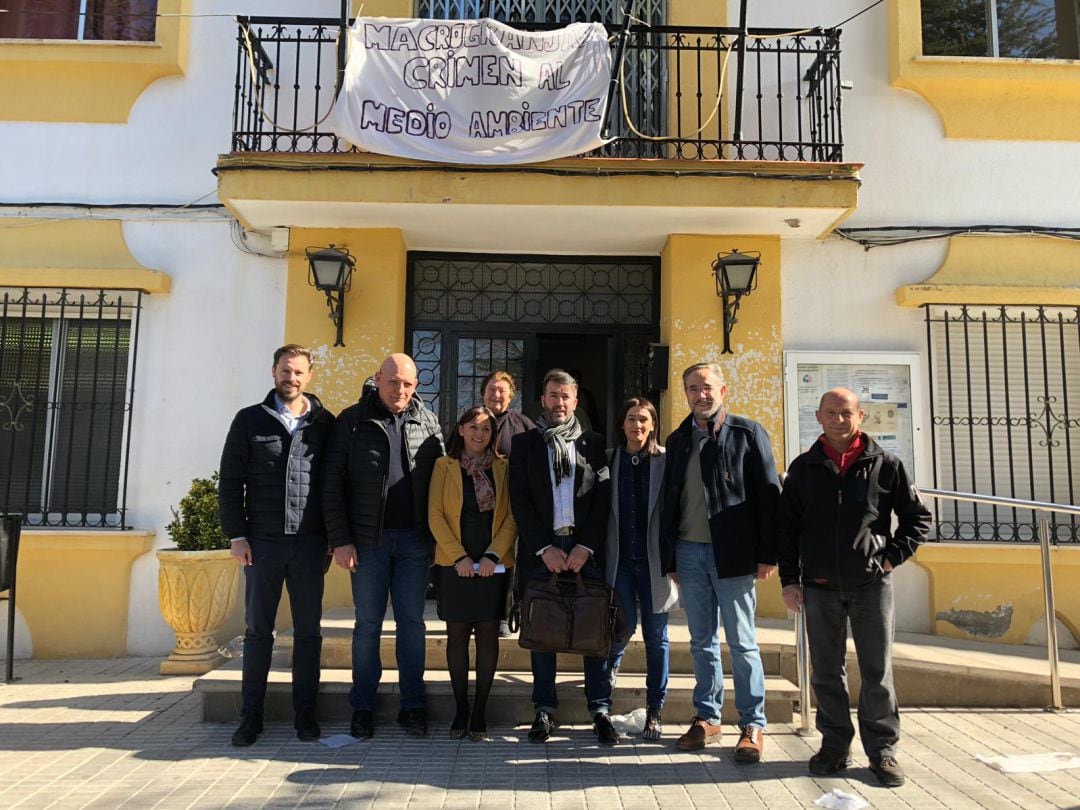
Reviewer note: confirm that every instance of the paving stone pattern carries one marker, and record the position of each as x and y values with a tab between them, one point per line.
112	734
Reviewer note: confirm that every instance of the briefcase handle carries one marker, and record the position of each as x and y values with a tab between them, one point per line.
558	576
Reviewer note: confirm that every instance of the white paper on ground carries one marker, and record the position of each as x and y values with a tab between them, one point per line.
633	723
1031	763
838	800
338	740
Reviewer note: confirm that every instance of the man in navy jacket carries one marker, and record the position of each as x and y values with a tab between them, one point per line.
718	537
271	511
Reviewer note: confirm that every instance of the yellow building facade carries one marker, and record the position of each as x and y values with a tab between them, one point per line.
626	241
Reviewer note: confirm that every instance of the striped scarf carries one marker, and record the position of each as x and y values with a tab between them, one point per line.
556	437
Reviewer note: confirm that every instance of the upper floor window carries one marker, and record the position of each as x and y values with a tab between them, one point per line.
116	20
1028	29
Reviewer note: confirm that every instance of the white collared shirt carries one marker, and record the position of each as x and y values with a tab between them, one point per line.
291	422
563	492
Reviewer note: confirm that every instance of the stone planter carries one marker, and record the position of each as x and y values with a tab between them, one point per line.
196	592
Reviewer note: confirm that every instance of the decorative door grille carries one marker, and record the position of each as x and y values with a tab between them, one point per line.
1005	397
541	11
645	71
468	316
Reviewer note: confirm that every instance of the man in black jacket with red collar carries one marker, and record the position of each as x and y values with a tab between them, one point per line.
837	551
271	511
560	492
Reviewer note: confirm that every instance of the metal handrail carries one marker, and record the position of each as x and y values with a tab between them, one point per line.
1044	509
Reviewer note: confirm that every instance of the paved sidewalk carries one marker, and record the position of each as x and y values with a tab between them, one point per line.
115	734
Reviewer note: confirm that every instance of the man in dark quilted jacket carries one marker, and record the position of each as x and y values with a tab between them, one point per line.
270	510
378	469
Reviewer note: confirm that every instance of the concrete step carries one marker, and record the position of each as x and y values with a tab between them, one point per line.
337	627
510	703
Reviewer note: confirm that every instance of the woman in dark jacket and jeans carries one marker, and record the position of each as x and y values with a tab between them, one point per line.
633	549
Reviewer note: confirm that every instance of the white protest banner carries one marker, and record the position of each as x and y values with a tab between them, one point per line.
473	91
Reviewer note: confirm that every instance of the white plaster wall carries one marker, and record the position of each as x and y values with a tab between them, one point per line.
912	174
205	351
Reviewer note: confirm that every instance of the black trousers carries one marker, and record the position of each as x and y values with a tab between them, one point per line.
870	611
296	563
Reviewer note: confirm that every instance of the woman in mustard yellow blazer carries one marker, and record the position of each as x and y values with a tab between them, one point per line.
469	515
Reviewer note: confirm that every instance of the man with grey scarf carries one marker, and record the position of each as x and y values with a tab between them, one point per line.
560	492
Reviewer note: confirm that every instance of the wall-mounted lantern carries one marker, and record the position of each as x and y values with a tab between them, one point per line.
736	276
330	271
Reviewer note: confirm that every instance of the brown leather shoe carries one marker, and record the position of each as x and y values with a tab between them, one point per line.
748	748
700	734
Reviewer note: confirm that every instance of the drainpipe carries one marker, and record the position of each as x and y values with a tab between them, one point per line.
741	65
342	47
616	69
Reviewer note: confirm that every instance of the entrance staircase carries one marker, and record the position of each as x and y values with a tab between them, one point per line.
510	702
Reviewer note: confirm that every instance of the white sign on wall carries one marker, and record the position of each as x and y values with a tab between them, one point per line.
473	91
886	384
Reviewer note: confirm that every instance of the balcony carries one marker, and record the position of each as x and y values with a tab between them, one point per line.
781	99
765	156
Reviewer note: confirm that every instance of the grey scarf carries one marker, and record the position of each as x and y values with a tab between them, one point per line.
556	437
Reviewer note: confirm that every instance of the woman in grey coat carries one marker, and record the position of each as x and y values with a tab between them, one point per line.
633	548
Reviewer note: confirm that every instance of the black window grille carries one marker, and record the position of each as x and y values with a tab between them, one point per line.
1005	397
67	365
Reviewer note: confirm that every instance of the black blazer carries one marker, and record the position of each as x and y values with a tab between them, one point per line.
533	502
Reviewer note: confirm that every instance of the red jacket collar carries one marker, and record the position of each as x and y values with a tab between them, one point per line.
844	460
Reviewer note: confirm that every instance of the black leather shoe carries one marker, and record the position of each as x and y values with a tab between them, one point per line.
307	727
605	732
542	727
363	725
251	726
414	721
654	724
888	771
829	761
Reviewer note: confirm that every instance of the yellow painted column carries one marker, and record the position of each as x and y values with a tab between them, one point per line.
374	309
692	325
374	328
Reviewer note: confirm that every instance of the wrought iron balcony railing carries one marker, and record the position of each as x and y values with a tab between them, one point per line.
780	99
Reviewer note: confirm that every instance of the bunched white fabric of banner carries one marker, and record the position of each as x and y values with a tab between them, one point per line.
473	91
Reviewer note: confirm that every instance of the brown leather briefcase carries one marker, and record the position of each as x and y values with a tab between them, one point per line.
569	614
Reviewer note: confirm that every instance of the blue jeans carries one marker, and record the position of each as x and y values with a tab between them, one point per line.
633	584
710	599
870	610
398	568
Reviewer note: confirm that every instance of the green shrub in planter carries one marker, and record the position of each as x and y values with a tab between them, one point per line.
197	525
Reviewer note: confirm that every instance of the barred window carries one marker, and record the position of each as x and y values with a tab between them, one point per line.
67	363
1005	404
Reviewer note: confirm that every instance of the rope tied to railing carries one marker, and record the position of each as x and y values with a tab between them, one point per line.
719	91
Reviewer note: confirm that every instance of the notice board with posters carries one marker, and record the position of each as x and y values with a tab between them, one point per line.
887	384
